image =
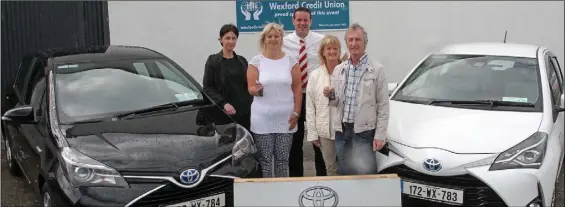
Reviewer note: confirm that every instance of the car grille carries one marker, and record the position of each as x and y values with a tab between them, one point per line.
477	193
172	194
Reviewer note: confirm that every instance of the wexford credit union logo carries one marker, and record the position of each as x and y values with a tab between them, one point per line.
251	7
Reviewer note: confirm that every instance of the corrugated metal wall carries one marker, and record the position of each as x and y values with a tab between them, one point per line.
31	25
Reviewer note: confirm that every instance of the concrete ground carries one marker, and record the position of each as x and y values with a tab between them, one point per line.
309	169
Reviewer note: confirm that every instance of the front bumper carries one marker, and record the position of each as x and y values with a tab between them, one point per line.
170	193
62	194
476	193
142	193
155	191
516	187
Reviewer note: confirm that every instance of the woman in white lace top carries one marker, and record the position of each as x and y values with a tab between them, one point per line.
274	80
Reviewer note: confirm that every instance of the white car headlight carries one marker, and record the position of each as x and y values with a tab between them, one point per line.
527	154
244	145
82	170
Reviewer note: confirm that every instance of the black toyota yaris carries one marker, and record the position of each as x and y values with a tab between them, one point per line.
121	126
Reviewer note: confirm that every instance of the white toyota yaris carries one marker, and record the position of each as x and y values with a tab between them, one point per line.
478	124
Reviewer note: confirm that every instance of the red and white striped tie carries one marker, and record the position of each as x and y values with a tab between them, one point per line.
303	63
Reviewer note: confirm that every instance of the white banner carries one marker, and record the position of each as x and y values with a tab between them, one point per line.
327	191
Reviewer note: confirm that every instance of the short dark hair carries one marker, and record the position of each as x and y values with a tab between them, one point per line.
302	9
229	28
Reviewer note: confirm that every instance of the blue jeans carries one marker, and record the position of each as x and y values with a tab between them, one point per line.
354	151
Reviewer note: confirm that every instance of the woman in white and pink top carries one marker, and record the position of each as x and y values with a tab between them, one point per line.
274	80
318	110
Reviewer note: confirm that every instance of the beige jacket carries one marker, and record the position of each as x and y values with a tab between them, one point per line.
372	110
318	118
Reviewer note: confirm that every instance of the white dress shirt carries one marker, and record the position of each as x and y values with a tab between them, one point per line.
291	45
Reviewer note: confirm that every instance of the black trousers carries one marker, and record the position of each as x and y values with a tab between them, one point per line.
296	159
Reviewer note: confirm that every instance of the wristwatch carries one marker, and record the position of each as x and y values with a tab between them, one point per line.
296	114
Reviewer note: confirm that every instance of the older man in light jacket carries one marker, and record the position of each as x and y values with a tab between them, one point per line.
360	100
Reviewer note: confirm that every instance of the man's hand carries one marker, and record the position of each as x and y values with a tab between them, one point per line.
378	144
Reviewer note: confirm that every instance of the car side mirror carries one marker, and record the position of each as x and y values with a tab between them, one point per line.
391	87
21	115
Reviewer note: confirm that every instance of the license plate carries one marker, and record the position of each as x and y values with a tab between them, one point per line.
210	201
432	193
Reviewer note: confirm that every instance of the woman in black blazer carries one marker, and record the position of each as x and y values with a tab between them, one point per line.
225	78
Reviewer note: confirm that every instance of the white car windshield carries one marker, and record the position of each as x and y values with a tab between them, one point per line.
472	78
101	89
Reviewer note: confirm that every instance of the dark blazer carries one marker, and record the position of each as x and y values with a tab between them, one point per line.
215	77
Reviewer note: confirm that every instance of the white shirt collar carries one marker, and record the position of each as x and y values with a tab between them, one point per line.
305	38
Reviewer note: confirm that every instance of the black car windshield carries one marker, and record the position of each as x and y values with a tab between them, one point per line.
445	78
95	90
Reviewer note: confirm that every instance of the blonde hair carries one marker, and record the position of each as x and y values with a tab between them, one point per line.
271	26
329	40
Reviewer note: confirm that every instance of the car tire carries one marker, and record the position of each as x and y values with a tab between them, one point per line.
554	196
47	196
553	199
12	163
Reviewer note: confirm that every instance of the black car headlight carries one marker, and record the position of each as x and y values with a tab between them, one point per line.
82	170
244	145
527	154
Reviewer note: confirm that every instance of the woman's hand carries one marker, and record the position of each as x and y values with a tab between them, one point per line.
292	121
257	89
229	109
316	143
328	91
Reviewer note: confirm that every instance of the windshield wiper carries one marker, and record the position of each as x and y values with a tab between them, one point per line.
88	121
171	105
411	101
491	103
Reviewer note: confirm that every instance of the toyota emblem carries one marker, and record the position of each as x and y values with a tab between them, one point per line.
189	176
432	165
318	196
